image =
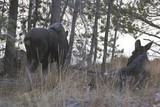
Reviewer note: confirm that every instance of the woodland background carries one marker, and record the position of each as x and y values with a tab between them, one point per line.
94	25
94	28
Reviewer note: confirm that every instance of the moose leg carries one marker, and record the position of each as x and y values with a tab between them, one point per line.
142	79
31	72
122	82
29	53
45	68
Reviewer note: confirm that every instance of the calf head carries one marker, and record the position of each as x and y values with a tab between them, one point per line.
139	50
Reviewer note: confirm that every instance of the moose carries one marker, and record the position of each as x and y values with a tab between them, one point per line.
137	67
45	46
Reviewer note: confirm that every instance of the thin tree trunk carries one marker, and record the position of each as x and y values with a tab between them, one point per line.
94	36
55	11
92	47
96	26
9	58
35	16
30	14
95	53
103	65
3	10
64	9
116	29
75	13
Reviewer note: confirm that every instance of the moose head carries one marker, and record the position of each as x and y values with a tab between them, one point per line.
139	50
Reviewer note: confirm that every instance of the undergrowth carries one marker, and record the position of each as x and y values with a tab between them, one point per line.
70	89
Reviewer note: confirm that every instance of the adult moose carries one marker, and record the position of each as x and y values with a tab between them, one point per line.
44	44
137	67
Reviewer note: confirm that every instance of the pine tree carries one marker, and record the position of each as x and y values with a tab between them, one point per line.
10	51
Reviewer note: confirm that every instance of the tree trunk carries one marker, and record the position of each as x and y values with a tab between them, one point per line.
96	26
3	7
35	15
94	36
95	51
55	11
75	13
30	14
9	58
2	14
103	65
116	29
64	9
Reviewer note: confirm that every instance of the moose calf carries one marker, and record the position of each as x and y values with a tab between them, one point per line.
137	68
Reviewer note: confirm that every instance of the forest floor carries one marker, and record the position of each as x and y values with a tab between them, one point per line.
71	90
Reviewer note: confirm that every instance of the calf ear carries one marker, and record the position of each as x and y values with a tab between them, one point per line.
66	33
138	45
148	46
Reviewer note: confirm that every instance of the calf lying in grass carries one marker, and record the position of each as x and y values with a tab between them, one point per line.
137	70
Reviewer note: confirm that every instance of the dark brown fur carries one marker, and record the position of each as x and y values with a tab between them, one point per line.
137	66
41	43
45	46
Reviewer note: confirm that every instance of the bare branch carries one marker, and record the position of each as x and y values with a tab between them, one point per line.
153	42
9	35
145	20
149	34
155	51
3	49
140	17
63	12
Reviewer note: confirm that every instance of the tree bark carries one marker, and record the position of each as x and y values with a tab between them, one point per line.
55	11
9	58
103	65
35	15
96	27
75	13
30	14
64	9
93	48
2	14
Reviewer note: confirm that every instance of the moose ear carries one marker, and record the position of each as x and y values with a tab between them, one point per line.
137	44
148	46
66	33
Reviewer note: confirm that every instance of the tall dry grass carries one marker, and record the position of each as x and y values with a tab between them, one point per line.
70	89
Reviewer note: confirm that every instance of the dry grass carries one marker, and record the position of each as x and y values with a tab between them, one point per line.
71	90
